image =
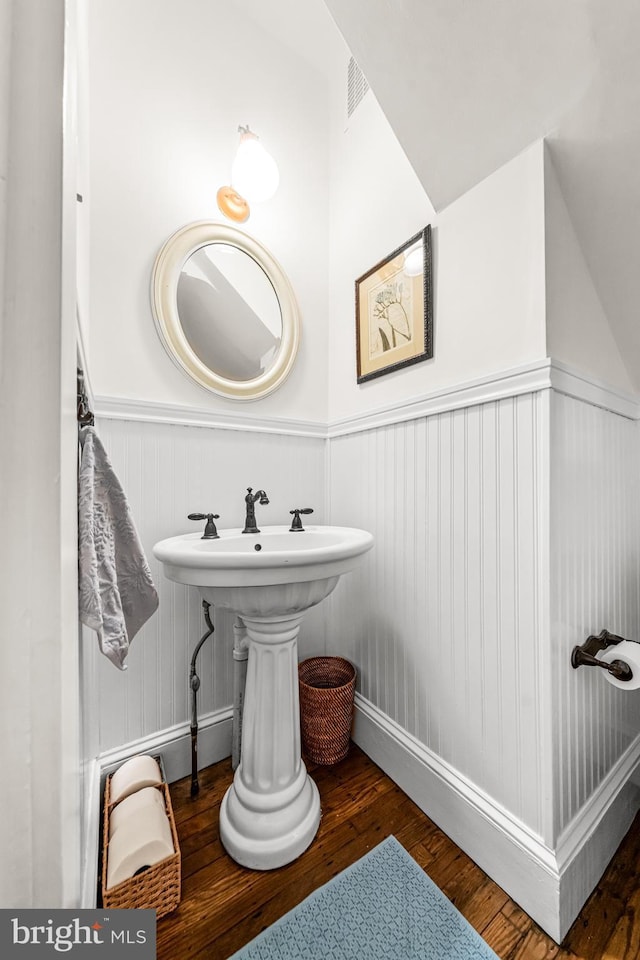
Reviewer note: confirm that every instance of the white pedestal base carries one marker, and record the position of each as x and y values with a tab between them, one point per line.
271	812
264	841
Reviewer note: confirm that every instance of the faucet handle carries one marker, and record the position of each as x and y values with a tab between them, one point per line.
296	523
210	532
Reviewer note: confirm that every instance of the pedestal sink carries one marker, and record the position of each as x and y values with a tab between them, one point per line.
271	812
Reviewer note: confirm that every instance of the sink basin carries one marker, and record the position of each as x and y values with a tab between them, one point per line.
275	555
271	812
264	574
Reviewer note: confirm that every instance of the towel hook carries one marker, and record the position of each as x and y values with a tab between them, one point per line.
85	415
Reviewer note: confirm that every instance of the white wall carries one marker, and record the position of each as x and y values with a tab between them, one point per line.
443	618
595	575
594	585
169	471
459	671
169	84
578	330
5	79
488	251
594	564
447	623
163	117
466	86
448	646
39	828
506	532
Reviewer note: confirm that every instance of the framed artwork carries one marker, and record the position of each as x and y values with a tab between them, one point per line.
394	322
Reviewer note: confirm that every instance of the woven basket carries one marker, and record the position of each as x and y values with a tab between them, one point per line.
157	887
327	687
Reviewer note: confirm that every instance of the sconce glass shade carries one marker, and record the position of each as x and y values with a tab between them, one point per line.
254	174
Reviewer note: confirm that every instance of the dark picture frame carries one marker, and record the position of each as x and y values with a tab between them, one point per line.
394	310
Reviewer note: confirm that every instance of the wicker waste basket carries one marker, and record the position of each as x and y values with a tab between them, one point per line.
327	687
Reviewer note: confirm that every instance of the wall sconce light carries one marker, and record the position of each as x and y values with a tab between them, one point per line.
254	178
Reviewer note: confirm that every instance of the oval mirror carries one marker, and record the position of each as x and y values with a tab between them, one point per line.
225	310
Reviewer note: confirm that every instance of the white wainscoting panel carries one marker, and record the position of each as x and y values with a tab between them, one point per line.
168	471
595	580
506	532
445	618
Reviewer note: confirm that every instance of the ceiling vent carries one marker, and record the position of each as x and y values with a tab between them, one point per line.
357	86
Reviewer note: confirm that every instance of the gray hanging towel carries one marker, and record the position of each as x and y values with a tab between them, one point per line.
116	591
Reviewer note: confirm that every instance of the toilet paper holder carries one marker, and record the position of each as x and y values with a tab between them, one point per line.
585	655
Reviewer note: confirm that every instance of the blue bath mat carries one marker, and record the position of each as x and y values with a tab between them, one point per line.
383	907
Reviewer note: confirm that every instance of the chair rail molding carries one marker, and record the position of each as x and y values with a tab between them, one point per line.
543	374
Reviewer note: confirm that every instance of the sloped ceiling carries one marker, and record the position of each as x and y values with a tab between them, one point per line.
468	84
302	25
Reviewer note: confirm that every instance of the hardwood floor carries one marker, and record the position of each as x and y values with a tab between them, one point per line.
224	906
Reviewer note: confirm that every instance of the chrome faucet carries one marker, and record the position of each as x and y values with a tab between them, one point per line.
250	500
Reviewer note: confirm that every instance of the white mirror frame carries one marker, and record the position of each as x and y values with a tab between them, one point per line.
164	286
